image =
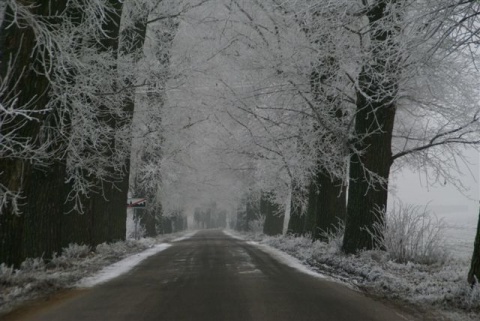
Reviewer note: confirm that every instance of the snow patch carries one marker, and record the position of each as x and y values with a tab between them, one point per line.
232	235
121	267
186	236
288	260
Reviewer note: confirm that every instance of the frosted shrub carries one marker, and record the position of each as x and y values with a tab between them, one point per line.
6	273
334	237
473	299
411	234
112	249
256	226
31	265
75	251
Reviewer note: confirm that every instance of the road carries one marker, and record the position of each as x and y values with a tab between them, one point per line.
210	277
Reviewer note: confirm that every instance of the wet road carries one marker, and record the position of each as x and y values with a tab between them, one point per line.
212	277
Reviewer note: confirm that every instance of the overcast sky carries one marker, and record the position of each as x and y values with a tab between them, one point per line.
444	200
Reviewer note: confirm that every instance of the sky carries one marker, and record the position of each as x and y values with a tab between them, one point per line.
412	188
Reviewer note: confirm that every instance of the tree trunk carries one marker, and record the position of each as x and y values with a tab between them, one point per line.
367	196
331	205
107	210
296	224
311	212
252	210
149	221
43	211
36	231
241	224
474	273
372	155
327	202
274	216
166	225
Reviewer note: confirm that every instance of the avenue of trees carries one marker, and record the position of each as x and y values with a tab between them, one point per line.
274	106
69	74
319	100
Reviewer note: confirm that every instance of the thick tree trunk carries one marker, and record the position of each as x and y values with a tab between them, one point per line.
331	207
274	216
297	221
149	222
367	196
311	212
43	211
166	225
474	273
372	155
327	201
36	231
252	210
241	223
107	210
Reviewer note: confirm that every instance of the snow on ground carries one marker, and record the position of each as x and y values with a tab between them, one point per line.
184	237
287	259
280	256
120	267
234	235
441	288
125	265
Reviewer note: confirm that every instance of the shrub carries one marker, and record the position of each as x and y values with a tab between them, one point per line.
32	264
334	237
256	226
6	273
75	251
411	233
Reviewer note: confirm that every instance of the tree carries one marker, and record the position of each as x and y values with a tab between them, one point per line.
298	219
274	215
392	84
68	42
372	157
28	166
474	272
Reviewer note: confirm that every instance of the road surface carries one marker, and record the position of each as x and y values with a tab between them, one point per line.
210	277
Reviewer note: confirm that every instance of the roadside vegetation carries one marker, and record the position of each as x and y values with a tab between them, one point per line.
410	266
38	278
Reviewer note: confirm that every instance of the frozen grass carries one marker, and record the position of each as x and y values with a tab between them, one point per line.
440	287
38	277
411	233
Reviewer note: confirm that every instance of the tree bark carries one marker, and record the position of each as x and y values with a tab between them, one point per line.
106	210
297	221
474	273
331	205
372	155
241	211
311	212
36	231
166	225
252	210
327	202
274	216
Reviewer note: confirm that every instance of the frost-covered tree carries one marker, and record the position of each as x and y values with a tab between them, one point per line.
77	121
40	45
404	72
147	178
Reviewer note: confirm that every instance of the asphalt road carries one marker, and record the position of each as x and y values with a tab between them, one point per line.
212	277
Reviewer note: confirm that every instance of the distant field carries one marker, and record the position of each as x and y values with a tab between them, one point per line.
461	228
